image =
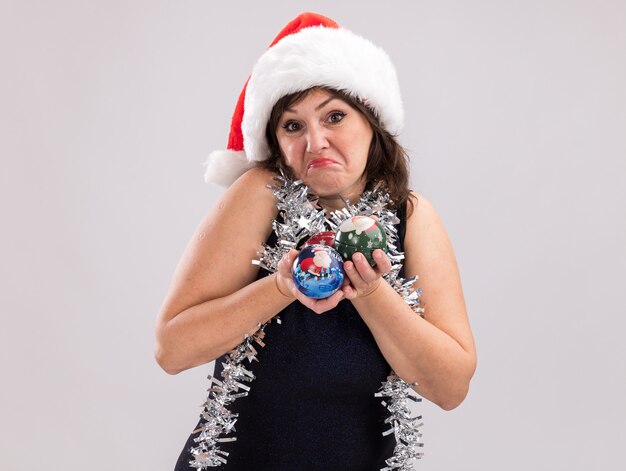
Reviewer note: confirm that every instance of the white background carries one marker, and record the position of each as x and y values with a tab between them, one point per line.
516	125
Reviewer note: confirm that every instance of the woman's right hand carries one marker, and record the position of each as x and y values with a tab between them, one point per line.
287	287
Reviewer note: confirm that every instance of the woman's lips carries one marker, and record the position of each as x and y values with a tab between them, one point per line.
320	162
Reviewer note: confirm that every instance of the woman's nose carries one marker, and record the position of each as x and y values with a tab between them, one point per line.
317	140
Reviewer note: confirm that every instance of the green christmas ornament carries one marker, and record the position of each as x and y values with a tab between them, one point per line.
360	234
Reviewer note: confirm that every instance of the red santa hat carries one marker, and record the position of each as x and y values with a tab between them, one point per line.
310	51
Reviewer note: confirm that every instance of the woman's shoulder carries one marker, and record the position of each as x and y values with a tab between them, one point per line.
232	232
424	226
421	207
428	249
251	188
255	179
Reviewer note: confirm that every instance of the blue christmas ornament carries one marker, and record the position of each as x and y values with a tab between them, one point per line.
318	271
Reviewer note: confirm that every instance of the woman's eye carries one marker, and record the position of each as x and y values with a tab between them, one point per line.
336	116
291	126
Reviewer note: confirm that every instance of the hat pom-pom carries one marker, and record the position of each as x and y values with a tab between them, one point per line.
225	166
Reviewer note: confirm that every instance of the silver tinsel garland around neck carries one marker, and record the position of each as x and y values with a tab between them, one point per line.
302	218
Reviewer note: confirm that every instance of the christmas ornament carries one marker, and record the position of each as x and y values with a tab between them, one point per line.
322	238
318	271
301	219
360	234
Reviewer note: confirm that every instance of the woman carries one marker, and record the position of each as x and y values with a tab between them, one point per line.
322	105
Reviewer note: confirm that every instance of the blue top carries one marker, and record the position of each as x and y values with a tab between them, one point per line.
312	405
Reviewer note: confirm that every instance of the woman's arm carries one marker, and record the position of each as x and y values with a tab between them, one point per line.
437	351
214	298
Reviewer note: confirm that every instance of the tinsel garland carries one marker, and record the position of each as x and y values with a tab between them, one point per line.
302	218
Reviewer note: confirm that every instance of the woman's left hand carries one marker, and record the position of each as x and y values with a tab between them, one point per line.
361	278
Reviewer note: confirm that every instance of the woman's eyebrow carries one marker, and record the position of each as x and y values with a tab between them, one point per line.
318	107
324	103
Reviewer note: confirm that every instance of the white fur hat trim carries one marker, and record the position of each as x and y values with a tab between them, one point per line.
319	56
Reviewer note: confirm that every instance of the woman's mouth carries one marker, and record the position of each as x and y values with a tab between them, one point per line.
320	162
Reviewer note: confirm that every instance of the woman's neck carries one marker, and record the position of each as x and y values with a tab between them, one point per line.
333	201
337	202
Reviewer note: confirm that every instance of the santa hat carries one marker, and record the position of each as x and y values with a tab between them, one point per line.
310	51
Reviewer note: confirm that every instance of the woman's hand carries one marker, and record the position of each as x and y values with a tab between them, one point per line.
287	287
361	278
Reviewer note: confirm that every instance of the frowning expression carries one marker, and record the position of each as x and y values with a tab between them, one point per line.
325	142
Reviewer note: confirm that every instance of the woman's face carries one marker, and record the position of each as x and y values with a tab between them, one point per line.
325	142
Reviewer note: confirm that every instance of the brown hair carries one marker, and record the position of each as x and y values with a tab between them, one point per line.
387	161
